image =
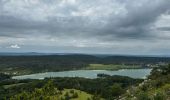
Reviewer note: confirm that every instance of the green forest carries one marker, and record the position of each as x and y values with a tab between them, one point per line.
20	65
155	87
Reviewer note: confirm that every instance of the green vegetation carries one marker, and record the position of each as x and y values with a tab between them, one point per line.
21	65
76	94
111	66
156	87
4	77
50	92
12	85
108	87
100	86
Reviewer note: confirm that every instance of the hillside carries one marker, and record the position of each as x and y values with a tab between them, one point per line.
155	87
17	65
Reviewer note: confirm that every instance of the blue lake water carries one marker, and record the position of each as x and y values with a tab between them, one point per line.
133	73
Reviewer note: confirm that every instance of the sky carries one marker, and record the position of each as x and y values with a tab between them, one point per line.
137	27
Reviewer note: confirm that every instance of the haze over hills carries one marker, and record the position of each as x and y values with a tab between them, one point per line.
97	55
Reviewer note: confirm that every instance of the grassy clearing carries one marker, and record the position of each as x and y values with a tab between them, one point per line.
12	85
110	67
16	71
81	94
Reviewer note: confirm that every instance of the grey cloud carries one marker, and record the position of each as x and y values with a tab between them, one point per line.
102	20
164	28
135	24
138	20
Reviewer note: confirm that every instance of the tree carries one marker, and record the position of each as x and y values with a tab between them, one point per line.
95	97
116	89
75	95
49	88
67	97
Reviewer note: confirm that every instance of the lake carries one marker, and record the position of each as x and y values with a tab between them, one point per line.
133	73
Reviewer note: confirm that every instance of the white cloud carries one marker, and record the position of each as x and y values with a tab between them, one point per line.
15	46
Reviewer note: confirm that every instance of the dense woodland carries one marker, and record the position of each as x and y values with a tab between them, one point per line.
105	87
155	87
34	64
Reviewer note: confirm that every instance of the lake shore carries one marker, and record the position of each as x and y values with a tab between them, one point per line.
133	73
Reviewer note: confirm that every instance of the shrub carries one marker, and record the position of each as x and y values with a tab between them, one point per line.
159	96
143	96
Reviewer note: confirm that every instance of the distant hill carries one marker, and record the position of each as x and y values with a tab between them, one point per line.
97	55
20	54
86	58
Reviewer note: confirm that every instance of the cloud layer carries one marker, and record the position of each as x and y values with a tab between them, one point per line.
87	26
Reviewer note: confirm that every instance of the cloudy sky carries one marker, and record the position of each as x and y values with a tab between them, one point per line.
139	27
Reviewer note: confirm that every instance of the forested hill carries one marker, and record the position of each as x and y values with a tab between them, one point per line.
43	63
81	58
135	59
155	87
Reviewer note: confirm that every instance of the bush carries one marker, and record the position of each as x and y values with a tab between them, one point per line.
75	95
95	97
116	90
72	91
67	97
143	96
160	96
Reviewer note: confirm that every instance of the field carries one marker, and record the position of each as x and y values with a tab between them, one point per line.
12	85
80	94
110	67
